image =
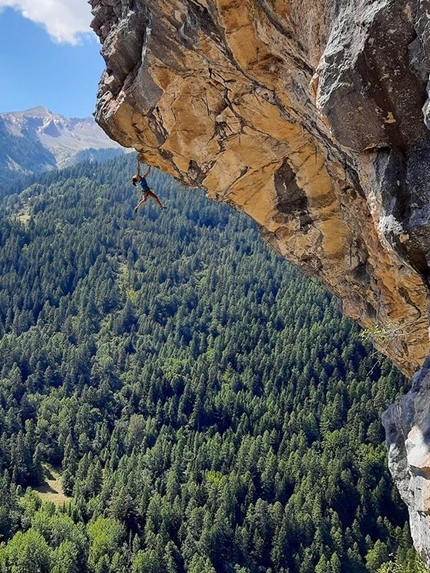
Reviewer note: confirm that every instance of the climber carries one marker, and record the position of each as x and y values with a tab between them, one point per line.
146	191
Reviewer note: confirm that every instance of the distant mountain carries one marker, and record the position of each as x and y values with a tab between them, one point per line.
37	140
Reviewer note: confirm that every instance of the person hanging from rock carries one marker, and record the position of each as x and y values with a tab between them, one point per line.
146	190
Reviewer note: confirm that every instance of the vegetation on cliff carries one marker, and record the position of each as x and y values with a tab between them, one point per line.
209	409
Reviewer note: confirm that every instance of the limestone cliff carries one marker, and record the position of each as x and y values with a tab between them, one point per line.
310	117
407	426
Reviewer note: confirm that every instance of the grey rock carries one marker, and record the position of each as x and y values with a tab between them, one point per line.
407	427
426	108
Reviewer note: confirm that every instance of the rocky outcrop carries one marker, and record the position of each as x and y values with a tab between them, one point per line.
407	428
310	117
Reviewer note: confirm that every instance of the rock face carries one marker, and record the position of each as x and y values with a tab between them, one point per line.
407	427
310	117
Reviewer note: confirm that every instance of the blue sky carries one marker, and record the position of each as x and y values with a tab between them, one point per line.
48	56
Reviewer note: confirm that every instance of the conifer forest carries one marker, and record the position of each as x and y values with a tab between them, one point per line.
176	397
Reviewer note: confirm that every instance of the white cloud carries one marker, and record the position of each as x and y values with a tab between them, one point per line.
64	20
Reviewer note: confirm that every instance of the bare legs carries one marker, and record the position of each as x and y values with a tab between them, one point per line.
152	196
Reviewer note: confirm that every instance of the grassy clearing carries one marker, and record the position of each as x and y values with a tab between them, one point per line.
24	217
51	489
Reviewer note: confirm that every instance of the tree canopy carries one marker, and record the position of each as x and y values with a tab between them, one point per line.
209	408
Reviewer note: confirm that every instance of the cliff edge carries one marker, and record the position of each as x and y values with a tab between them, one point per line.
313	119
407	428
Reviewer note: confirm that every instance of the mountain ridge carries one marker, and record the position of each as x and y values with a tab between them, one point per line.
37	140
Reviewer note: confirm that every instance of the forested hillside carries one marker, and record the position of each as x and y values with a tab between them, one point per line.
21	154
207	407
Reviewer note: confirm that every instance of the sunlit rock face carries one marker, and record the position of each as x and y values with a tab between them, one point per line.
308	117
311	117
